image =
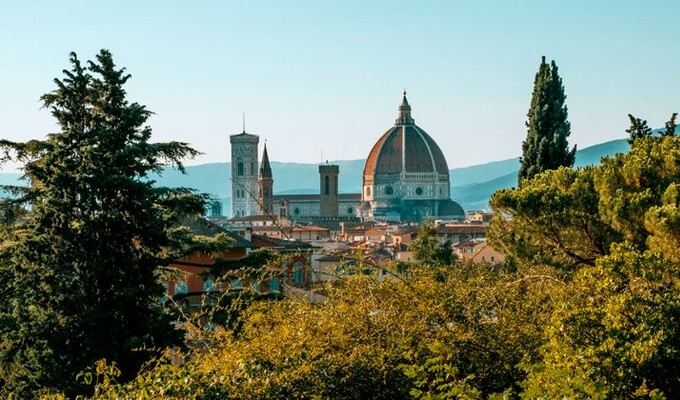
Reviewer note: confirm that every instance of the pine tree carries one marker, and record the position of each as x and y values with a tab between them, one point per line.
81	273
546	145
638	129
670	126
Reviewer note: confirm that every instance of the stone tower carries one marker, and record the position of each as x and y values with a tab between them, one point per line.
265	183
328	175
244	174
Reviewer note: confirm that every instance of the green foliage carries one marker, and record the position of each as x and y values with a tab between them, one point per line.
424	337
81	272
553	220
429	250
546	146
614	333
619	335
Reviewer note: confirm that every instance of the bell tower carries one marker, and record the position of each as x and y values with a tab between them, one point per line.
244	164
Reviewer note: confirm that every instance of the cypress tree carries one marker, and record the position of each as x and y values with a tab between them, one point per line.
546	145
80	273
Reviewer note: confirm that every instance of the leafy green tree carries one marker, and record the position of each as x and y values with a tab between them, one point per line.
616	335
436	334
614	330
553	219
83	267
428	249
546	146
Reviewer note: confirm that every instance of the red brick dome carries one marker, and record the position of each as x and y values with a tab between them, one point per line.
405	148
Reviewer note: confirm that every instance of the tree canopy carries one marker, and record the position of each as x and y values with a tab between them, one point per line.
611	233
546	146
429	250
82	245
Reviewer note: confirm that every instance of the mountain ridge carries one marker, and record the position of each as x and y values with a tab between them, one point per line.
471	186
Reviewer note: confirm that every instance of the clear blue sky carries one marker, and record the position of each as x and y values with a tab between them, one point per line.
326	76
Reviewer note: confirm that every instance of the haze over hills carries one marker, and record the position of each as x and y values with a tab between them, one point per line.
471	186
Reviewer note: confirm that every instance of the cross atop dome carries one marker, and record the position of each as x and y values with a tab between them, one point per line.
404	117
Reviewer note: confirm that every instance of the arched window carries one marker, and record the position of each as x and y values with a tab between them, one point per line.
297	273
239	168
181	287
209	286
368	190
274	285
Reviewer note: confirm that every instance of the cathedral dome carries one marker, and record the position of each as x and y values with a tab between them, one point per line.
405	147
406	177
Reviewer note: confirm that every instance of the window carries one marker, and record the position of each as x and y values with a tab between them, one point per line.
419	191
296	211
209	286
239	168
327	186
350	210
389	190
368	191
181	288
274	285
297	273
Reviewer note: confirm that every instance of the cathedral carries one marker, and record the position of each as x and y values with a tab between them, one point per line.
406	178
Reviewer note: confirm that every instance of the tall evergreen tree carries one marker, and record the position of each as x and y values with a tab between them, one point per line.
638	129
81	273
546	145
671	125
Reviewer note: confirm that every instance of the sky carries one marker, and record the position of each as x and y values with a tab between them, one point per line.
322	80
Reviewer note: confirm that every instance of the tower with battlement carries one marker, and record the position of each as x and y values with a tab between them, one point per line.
328	175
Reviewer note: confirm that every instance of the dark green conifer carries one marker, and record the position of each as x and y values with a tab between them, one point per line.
80	274
546	145
671	125
638	129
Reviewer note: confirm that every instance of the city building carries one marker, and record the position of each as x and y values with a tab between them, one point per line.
405	178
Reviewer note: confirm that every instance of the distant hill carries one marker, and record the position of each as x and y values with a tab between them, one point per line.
476	195
482	172
471	186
